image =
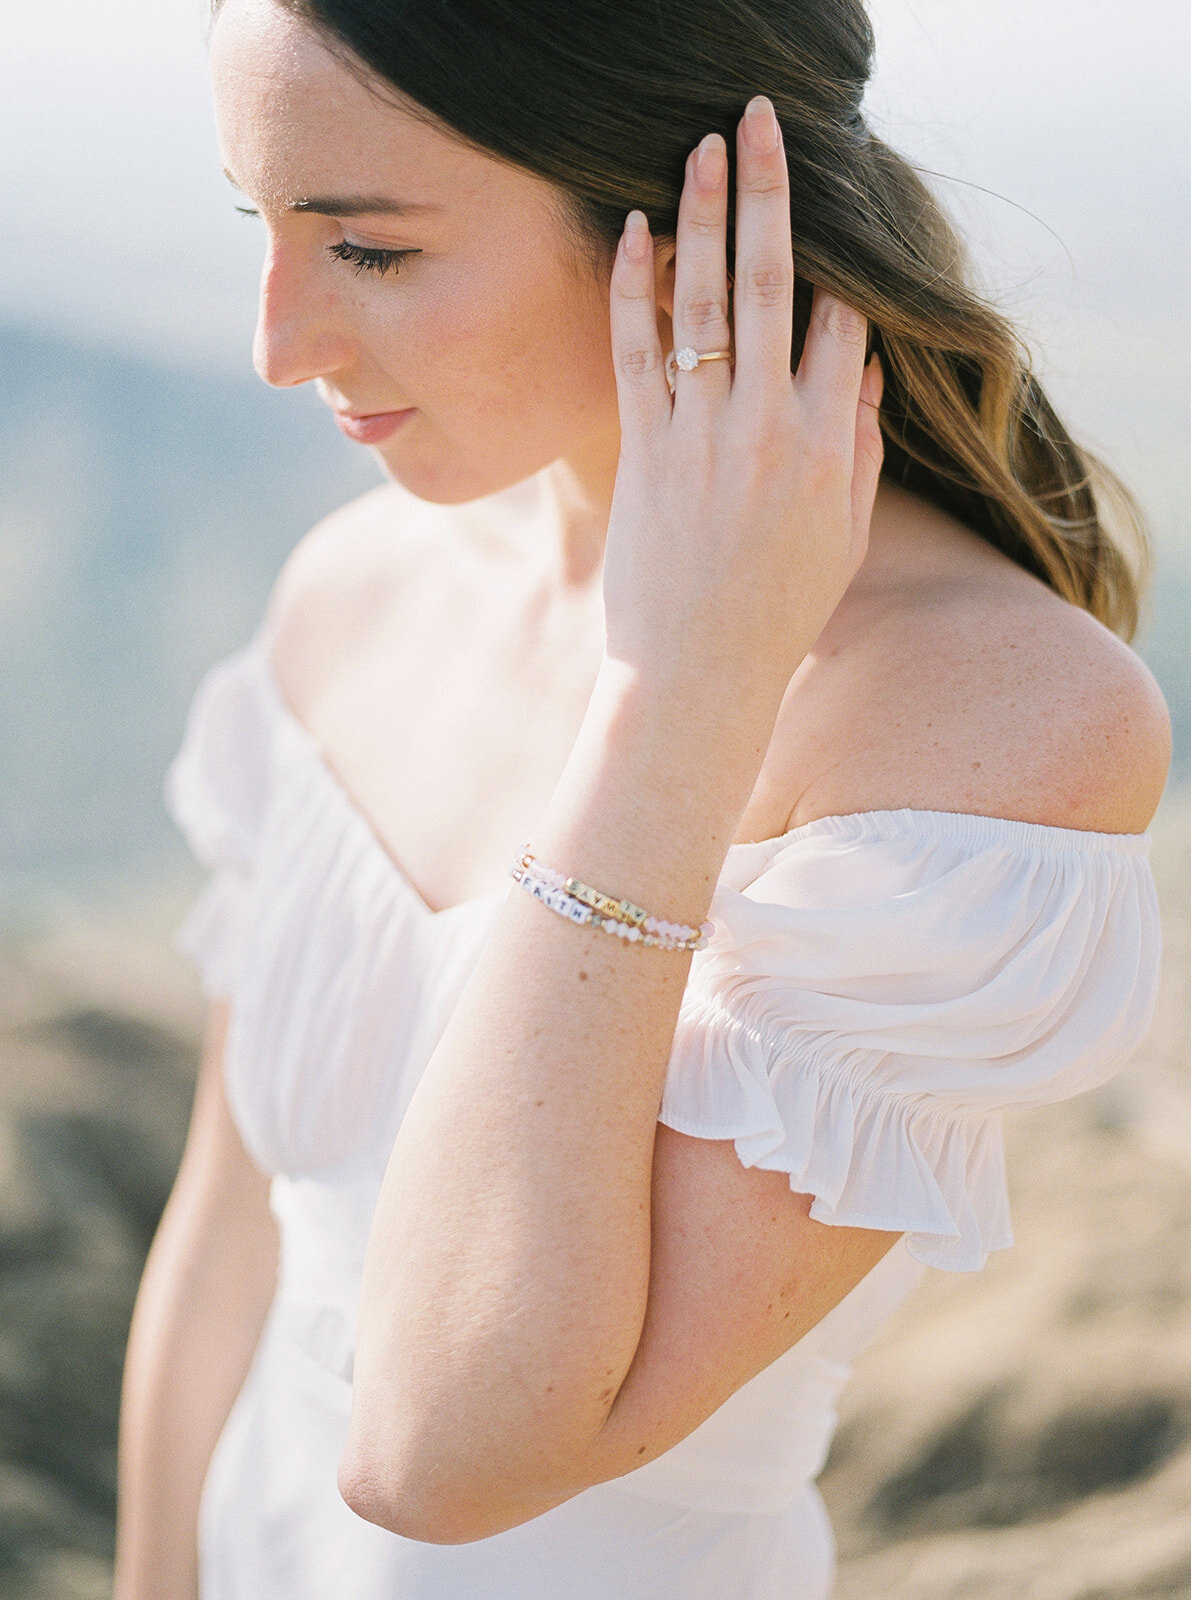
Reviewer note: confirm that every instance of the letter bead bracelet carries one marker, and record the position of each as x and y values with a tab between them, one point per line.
580	903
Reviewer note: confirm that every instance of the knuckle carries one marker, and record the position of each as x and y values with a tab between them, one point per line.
706	227
631	288
703	313
637	361
771	452
829	465
768	442
768	285
845	324
765	183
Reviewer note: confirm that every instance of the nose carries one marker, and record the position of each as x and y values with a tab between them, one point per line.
300	329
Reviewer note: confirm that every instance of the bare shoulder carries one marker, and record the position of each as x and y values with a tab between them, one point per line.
986	692
340	580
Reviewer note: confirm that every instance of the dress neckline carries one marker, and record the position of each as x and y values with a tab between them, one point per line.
973	826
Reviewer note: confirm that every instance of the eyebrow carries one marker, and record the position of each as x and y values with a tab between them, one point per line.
353	205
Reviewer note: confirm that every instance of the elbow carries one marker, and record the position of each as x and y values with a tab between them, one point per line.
430	1505
390	1499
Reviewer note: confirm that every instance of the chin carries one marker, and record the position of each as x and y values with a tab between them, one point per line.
442	484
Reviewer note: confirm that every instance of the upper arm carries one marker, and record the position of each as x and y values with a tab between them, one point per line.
1045	718
217	1174
738	1274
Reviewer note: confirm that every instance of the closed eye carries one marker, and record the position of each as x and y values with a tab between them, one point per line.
366	258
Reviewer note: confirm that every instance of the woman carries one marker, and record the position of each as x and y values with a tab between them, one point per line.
582	1208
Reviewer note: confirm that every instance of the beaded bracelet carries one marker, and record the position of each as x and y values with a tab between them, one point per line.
580	903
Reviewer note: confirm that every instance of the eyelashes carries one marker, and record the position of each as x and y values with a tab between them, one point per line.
364	258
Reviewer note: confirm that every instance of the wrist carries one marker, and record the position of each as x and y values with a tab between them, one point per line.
691	697
651	795
686	728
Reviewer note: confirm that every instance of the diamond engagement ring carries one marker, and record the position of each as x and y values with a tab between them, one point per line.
687	360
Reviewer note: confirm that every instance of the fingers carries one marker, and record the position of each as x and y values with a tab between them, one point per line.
831	370
701	272
642	393
760	327
868	450
763	287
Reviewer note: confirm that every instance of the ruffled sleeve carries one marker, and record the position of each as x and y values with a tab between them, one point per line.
888	985
216	791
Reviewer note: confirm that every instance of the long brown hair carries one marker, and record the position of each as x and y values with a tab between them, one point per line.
605	99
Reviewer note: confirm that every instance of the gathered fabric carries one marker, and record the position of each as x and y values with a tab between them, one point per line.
878	989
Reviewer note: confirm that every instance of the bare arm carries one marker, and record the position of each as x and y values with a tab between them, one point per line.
207	1286
524	1326
556	1288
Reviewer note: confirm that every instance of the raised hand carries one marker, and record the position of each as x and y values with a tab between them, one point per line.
742	502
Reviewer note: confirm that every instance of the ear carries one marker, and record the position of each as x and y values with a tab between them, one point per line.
665	254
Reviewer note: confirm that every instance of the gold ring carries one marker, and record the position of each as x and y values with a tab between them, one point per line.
686	360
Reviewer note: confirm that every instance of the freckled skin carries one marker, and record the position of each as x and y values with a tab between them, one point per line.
493	333
502	348
501	344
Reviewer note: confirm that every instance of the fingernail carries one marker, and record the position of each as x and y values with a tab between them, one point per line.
711	161
636	236
760	125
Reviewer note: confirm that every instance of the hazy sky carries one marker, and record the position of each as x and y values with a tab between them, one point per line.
115	221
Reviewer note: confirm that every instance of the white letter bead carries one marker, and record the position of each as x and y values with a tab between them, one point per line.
549	886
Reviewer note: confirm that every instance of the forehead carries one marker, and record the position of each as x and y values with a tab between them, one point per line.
294	120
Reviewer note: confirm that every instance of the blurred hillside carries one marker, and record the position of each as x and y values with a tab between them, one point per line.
144	512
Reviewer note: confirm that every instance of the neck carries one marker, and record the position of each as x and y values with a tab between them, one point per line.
576	506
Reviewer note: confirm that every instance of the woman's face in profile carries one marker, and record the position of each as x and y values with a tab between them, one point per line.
491	334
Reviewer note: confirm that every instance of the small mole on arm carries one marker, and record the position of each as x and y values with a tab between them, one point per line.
583	977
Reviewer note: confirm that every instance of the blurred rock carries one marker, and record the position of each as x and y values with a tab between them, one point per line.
98	1050
1025	1434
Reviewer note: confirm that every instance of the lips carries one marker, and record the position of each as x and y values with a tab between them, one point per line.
371	427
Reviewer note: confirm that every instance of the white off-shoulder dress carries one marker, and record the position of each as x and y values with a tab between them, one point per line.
879	987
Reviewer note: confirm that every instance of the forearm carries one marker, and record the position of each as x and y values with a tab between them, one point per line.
508	1268
507	1276
198	1316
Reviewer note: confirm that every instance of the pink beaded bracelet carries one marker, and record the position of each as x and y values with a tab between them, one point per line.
580	903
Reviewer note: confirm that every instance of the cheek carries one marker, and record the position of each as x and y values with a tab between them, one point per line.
506	344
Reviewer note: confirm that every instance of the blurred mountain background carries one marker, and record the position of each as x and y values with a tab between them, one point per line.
150	489
144	512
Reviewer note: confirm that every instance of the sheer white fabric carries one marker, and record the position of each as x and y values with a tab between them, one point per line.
879	988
